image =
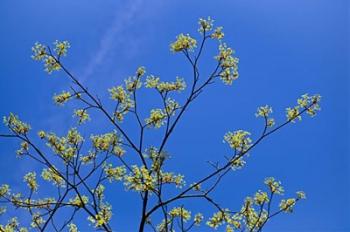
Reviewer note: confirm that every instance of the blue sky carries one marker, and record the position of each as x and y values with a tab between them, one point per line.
286	48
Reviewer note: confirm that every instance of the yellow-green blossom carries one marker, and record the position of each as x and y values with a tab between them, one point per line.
42	134
156	118
198	218
4	190
183	42
205	25
171	106
180	212
310	103
23	149
61	47
218	33
293	113
261	197
39	51
37	220
102	217
82	115
115	173
30	179
139	179
62	98
73	228
274	185
16	125
118	93
51	65
228	63
105	142
287	205
301	195
50	174
238	140
79	201
152	81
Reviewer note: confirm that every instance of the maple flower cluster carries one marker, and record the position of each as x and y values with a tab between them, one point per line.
265	111
183	42
16	125
228	63
307	103
206	25
62	98
165	86
238	140
43	53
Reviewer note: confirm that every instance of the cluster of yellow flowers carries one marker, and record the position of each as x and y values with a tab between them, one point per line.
171	178
198	218
4	190
228	63
73	228
62	98
261	197
65	147
82	115
165	86
180	212
238	140
61	47
205	25
86	159
218	33
12	226
305	102
134	82
119	94
311	103
183	42
140	179
156	118
156	157
41	53
16	125
24	148
73	137
103	216
224	216
250	216
171	106
125	103
265	111
237	163
287	205
274	185
115	173
30	178
99	192
37	220
79	201
122	95
108	142
50	174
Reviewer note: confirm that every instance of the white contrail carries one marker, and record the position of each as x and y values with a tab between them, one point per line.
122	20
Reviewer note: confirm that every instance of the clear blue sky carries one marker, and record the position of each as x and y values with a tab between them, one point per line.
286	48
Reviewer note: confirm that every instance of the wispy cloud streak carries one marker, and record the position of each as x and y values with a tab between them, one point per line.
124	17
